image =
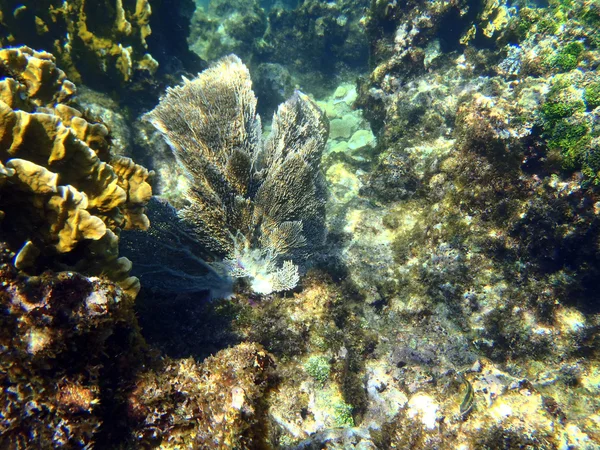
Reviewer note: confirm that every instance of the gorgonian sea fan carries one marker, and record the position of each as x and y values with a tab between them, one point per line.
258	204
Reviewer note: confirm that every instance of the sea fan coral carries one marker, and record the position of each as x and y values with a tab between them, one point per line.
255	203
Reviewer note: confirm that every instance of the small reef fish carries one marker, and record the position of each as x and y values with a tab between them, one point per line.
467	404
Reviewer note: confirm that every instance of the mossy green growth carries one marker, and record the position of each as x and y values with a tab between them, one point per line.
573	140
568	57
590	14
562	102
318	367
591	163
554	110
532	20
526	20
547	26
566	129
591	96
343	414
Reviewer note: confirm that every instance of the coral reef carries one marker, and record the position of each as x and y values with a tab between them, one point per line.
64	197
470	237
454	304
76	373
318	339
252	204
213	405
108	45
409	37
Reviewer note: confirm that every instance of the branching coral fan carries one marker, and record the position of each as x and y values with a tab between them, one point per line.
256	203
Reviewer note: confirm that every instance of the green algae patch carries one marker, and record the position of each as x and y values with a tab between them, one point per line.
318	368
554	110
569	129
343	414
591	96
573	140
568	58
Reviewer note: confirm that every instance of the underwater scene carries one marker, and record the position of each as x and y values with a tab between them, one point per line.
300	224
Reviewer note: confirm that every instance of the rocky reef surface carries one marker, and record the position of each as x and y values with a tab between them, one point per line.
310	44
454	304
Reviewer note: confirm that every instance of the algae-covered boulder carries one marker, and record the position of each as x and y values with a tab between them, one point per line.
224	27
64	198
318	40
59	337
216	404
315	41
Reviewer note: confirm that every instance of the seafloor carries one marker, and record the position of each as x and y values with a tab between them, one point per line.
412	262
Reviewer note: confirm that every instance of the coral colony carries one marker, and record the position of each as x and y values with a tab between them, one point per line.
62	188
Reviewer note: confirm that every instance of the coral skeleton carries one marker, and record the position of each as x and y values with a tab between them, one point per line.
258	204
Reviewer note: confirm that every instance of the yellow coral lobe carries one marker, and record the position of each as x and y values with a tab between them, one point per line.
11	93
71	220
121	22
38	179
26	256
143	11
8	121
133	179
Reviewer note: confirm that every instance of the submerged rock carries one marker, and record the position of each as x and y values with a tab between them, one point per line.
61	340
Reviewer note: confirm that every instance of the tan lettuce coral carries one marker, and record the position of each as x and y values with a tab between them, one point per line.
34	73
61	190
108	36
110	46
133	179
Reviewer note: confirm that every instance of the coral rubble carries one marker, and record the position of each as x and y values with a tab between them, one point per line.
64	196
252	204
